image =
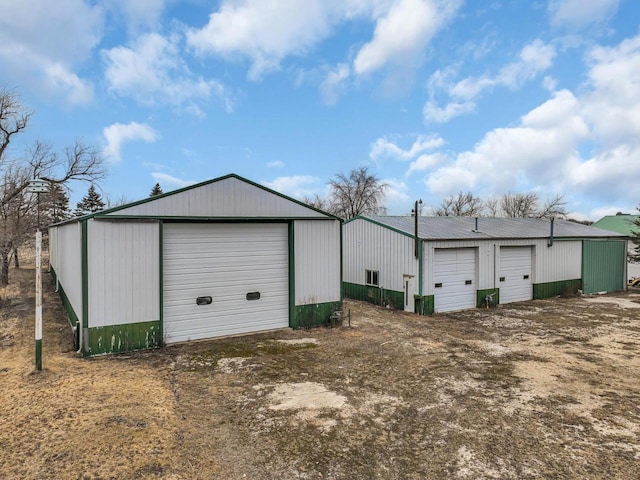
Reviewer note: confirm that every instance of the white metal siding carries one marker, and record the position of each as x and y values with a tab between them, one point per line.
124	269
368	246
454	278
68	263
230	197
515	282
561	261
224	261
317	261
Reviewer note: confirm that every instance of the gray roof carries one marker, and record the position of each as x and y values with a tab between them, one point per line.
464	228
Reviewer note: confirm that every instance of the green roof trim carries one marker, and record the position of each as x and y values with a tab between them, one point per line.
380	224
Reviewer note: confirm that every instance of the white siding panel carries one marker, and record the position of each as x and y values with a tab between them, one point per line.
123	266
317	261
225	262
230	197
368	246
561	261
69	263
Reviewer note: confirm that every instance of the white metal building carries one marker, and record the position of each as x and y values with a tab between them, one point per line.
453	263
223	257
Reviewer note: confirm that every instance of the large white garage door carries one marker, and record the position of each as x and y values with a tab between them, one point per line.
515	280
224	279
454	279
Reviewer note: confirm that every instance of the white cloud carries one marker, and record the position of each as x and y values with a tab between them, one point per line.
165	179
139	14
276	164
434	114
334	83
613	102
395	195
297	186
403	32
40	46
265	32
383	148
578	14
426	162
534	59
151	71
540	150
117	134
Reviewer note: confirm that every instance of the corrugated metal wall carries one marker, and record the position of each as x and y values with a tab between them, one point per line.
225	198
368	246
603	265
562	261
67	261
123	268
317	261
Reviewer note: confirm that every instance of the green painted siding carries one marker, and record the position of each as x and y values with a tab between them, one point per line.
122	338
314	315
481	294
553	289
375	295
424	305
603	265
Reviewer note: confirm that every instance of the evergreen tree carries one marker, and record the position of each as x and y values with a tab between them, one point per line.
90	203
156	190
635	238
55	204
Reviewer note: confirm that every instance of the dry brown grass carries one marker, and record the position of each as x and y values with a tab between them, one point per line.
544	389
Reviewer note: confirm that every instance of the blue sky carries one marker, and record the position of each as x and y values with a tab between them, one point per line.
434	96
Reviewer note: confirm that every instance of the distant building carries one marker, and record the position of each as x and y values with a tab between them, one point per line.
453	263
622	224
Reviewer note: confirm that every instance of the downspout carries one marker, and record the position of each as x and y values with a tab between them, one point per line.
550	242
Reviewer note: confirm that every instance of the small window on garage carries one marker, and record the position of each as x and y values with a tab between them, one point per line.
371	278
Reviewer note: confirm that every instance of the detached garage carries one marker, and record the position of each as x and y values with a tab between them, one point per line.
223	257
453	263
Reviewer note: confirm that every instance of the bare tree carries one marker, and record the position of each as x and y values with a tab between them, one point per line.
460	205
553	208
526	205
492	207
321	203
358	194
78	162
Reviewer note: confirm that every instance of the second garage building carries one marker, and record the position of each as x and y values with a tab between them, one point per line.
441	264
223	257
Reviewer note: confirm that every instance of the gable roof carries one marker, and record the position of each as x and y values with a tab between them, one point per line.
618	223
230	196
464	228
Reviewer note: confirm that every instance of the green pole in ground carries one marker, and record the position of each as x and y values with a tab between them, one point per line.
38	300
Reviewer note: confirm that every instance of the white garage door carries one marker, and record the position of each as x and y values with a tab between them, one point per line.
515	280
454	279
239	273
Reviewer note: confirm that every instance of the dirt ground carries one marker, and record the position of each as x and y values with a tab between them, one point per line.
542	389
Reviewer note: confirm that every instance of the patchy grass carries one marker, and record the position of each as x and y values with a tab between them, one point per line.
543	389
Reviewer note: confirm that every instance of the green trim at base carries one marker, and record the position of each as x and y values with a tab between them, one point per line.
375	295
122	338
39	354
553	289
314	315
424	305
481	294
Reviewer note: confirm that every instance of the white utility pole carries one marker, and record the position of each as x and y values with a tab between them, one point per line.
38	186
